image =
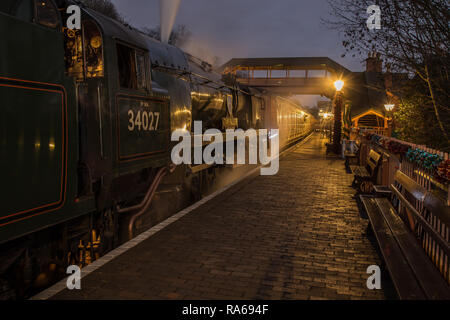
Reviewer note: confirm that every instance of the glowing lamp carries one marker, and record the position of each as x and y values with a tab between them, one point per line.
339	84
389	107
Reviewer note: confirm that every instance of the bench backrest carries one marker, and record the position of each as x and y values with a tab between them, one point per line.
431	220
373	160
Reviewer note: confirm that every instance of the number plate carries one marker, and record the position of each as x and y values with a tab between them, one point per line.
143	127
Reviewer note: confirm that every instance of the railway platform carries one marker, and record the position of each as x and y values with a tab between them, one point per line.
295	235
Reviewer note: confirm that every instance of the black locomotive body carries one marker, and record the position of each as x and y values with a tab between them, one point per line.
85	132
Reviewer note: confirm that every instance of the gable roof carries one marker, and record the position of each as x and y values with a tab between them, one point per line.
367	91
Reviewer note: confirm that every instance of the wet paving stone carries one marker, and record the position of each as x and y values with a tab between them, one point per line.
295	235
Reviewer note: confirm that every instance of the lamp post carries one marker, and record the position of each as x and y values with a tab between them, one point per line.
339	84
389	108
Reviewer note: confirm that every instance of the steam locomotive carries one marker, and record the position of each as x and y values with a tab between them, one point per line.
85	133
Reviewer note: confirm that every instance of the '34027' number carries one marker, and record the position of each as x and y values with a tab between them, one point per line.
144	121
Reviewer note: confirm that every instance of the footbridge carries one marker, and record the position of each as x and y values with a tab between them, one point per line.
287	76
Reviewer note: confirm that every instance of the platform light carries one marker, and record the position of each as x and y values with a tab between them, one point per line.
339	84
389	107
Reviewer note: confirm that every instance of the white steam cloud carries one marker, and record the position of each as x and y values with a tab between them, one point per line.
169	9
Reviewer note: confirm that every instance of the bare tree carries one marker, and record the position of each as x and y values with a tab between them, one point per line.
179	36
105	7
414	38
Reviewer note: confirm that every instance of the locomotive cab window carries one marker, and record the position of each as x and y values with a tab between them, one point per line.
84	51
141	73
93	49
132	66
46	13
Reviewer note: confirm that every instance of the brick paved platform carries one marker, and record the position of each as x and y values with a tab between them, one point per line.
296	235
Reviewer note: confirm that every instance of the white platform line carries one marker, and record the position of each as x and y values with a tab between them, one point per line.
61	285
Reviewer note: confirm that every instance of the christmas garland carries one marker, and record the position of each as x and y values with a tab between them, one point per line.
388	144
425	160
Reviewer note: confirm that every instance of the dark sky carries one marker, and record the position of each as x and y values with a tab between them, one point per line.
249	28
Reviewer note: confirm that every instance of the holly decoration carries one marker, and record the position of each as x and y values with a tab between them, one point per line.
397	148
388	144
425	160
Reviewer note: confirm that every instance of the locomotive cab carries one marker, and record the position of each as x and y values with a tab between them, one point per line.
123	123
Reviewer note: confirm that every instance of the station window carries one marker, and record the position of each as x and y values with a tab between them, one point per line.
297	73
278	73
46	13
316	73
243	74
132	68
260	73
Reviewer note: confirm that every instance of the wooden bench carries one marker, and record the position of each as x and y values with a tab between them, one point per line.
352	156
365	176
413	273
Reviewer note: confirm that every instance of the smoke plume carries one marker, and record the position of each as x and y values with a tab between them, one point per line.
169	9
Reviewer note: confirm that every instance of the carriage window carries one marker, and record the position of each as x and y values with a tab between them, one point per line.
132	68
46	13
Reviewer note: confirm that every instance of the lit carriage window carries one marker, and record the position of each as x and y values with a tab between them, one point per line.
93	49
46	13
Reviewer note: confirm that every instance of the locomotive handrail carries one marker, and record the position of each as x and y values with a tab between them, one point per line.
146	197
145	203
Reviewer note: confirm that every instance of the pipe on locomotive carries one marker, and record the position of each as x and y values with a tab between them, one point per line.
145	203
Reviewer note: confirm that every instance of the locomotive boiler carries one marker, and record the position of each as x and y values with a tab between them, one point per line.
85	131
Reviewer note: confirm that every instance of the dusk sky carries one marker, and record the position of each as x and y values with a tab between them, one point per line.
249	28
